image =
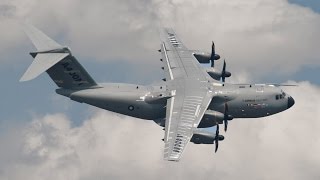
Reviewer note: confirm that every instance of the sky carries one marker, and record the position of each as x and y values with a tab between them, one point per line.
312	4
47	136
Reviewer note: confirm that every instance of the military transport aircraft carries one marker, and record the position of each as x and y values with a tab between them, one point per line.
190	98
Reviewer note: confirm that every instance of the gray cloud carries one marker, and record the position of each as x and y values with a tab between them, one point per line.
110	146
7	10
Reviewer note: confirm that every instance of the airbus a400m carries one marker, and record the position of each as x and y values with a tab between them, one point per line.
189	99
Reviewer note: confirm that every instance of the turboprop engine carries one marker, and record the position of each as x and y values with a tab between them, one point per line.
212	118
205	58
205	137
217	75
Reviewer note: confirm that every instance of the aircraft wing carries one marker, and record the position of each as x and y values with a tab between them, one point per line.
178	61
184	113
190	94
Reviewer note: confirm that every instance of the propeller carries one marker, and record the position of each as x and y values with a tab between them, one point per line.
216	139
226	117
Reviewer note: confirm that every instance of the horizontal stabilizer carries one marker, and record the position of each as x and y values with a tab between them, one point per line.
42	63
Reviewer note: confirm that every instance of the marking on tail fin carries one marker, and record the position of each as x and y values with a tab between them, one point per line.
70	74
74	74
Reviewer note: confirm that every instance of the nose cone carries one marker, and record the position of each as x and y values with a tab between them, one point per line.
290	102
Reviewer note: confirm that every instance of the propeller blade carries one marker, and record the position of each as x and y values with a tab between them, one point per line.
223	74
212	63
213	52
216	139
217	145
217	130
225	125
225	119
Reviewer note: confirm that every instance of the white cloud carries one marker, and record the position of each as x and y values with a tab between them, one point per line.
256	36
261	36
110	146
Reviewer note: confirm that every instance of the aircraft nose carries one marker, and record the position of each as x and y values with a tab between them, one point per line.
290	102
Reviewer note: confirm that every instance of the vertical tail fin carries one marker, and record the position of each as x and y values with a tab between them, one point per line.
57	61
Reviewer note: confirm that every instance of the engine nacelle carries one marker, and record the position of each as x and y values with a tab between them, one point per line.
205	58
205	138
216	74
202	57
212	118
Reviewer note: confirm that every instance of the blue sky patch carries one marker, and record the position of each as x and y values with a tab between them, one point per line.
313	4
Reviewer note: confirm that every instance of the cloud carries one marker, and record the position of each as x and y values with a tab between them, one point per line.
257	36
111	146
7	10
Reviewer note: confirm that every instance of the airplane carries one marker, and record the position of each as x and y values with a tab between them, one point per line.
188	101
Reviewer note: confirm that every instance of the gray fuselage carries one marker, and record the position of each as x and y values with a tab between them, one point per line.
149	102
